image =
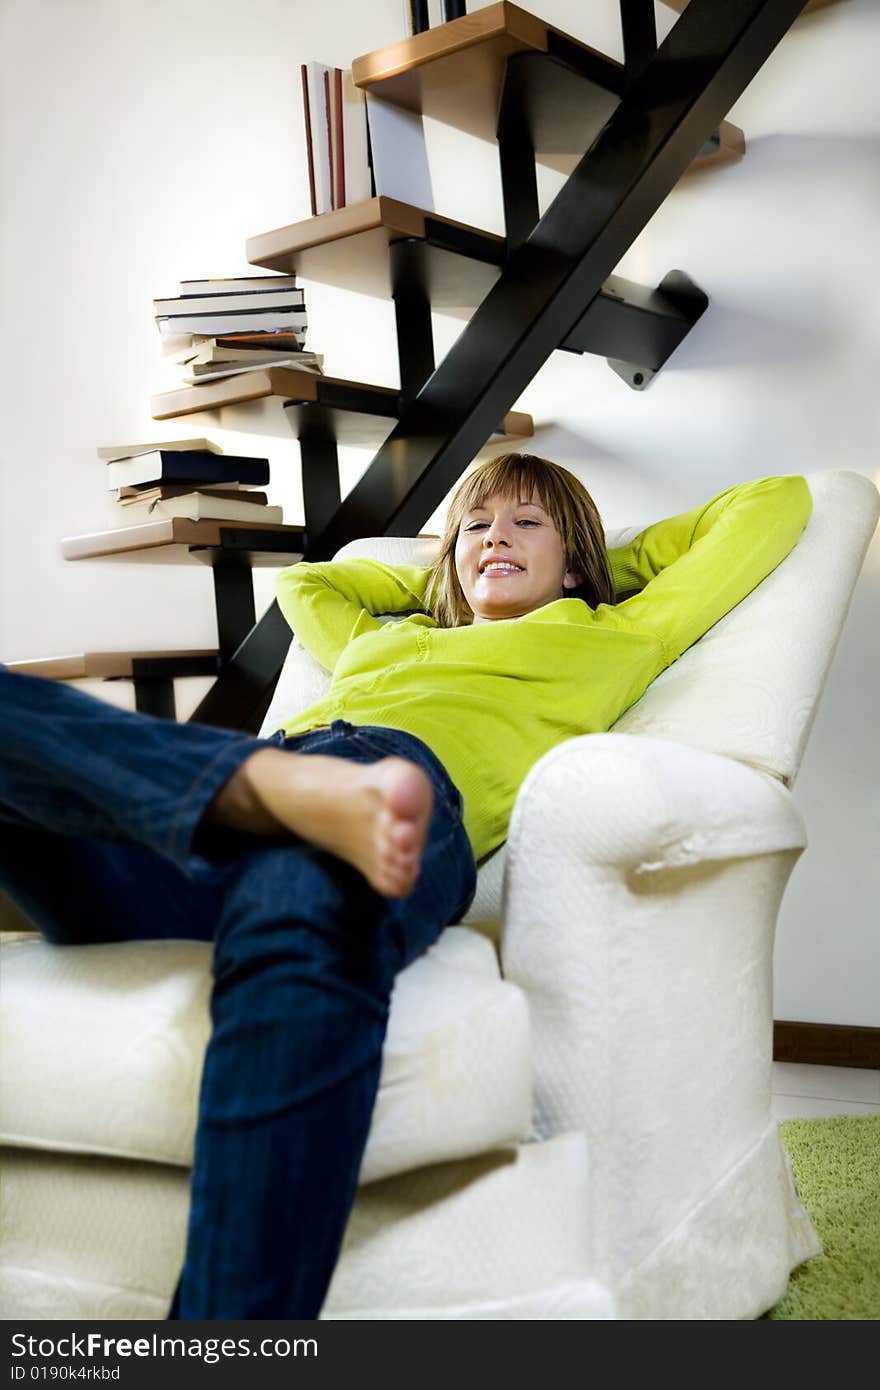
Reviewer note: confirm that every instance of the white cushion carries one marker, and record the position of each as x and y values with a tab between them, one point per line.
103	1046
500	1236
749	688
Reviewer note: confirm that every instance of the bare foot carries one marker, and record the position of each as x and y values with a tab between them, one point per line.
373	815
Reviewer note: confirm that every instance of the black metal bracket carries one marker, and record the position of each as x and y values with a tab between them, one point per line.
465	241
418	16
234	601
153	680
639	29
155	697
412	311
419	19
319	461
553	102
638	329
516	156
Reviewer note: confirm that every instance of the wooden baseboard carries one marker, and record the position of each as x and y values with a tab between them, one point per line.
826	1044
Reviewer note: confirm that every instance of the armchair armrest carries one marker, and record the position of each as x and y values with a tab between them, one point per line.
642	886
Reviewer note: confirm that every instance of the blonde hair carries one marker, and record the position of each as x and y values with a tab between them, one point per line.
569	506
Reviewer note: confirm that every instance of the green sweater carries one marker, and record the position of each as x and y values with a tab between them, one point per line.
490	699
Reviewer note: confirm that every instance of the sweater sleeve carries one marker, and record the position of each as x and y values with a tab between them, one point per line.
694	568
329	604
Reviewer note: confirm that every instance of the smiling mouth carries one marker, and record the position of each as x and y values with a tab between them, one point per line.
501	567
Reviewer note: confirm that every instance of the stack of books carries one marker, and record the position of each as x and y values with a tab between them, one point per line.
217	328
337	140
190	478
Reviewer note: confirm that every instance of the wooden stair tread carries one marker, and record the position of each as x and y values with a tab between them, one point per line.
170	539
288	382
353	412
101	665
454	73
349	249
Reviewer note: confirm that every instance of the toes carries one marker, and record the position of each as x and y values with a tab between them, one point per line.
404	834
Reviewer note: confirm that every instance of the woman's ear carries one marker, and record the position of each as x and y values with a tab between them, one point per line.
572	580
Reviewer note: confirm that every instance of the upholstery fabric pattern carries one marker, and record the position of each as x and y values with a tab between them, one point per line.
123	1079
67	1246
499	1236
650	983
698	1271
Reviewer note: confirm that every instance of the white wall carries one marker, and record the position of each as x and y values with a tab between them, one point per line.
144	140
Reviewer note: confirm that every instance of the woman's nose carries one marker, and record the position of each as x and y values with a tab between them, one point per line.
496	534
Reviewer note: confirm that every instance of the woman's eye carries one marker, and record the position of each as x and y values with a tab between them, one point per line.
475	526
528	521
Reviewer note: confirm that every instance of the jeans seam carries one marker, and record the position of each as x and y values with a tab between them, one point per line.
180	832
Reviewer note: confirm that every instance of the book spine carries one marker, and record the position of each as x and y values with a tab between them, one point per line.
187	305
320	136
328	117
248	321
340	142
194	468
309	154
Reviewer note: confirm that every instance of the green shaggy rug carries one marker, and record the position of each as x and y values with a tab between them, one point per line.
836	1166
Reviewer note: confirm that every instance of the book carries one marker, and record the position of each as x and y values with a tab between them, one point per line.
329	119
216	350
319	135
245	284
228	303
213	324
147	492
337	138
355	144
109	452
193	466
400	155
338	142
203	506
291	342
208	371
310	154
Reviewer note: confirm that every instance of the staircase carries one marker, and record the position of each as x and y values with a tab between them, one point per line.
623	134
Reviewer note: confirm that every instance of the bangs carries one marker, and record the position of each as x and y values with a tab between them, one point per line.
516	477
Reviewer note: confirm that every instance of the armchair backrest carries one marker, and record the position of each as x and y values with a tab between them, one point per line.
749	688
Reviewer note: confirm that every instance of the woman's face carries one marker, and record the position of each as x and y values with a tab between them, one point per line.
509	559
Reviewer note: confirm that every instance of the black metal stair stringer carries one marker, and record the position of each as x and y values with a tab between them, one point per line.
662	121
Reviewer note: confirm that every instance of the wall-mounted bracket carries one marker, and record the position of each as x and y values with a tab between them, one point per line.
637	329
636	377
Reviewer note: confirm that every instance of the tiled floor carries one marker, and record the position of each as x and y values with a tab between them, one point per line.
803	1092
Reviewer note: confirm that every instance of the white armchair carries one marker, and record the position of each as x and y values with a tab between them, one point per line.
574	1116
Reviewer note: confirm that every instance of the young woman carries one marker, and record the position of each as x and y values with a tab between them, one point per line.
324	859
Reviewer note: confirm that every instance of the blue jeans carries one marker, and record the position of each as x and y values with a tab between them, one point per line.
101	840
